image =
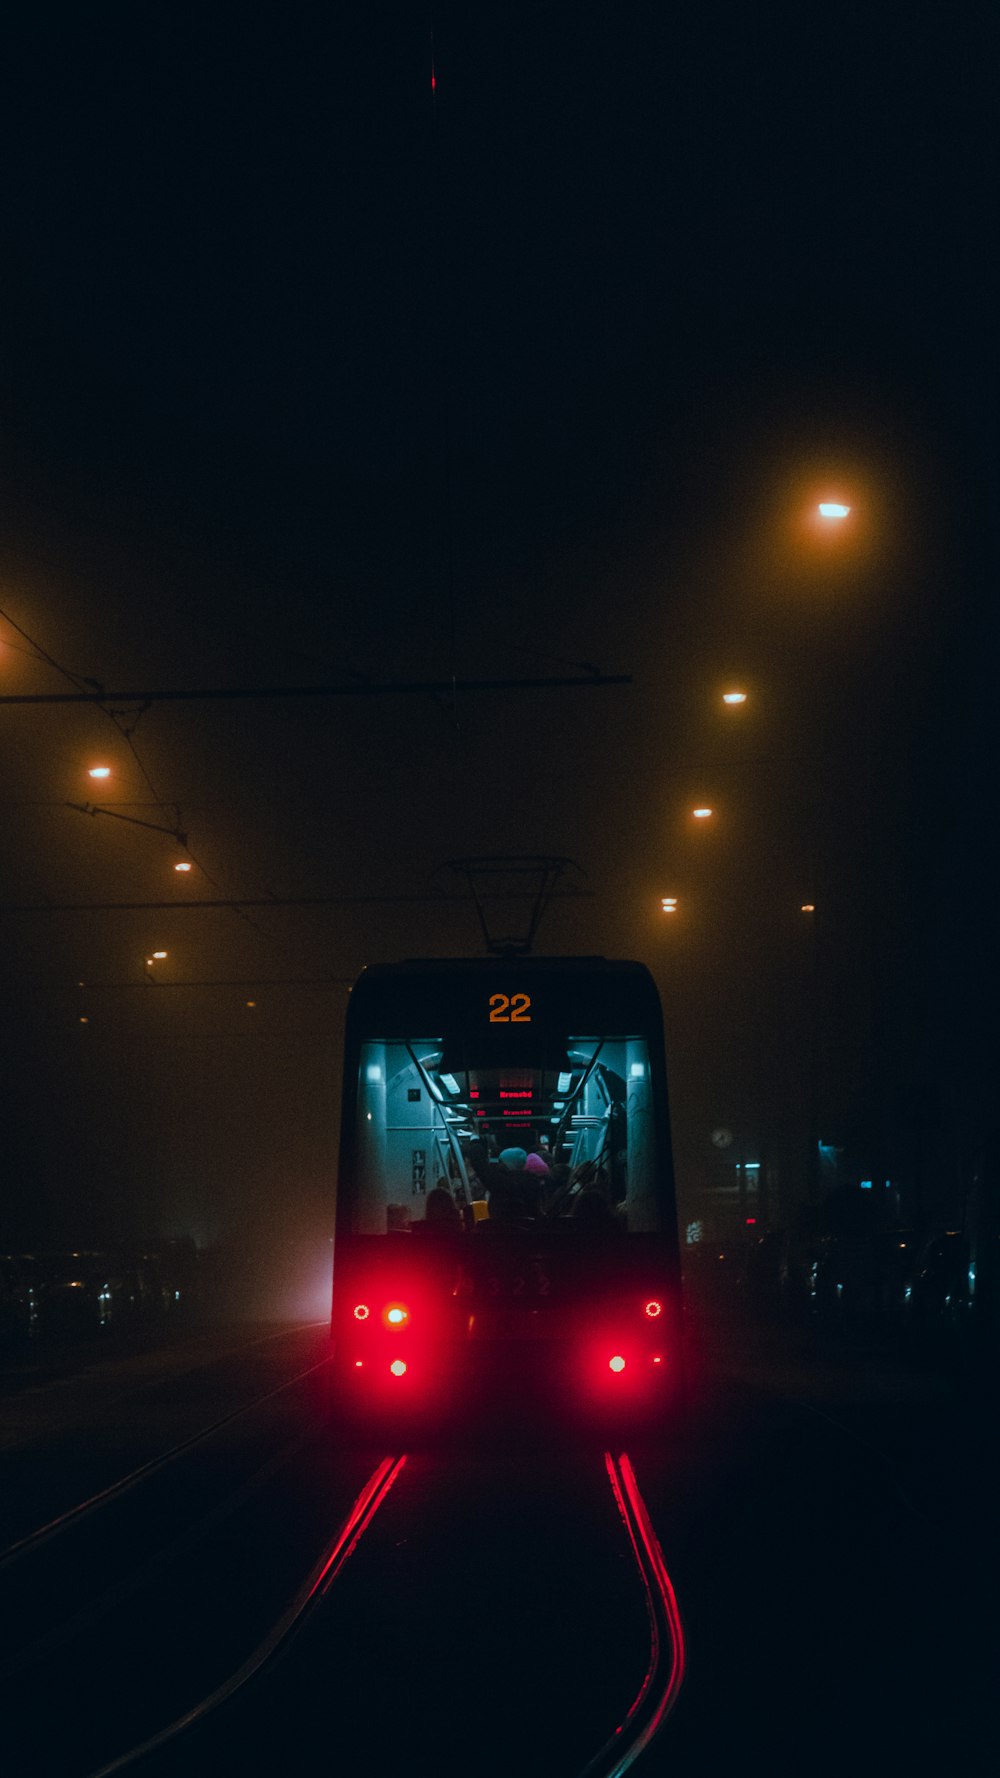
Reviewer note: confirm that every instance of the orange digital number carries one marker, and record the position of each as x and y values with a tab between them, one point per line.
510	1009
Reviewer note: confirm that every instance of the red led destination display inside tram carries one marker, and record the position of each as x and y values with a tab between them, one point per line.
519	1095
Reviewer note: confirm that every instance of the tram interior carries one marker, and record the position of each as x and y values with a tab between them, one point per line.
430	1121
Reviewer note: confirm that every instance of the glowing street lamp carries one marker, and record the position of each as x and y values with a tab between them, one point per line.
99	772
833	509
158	956
669	904
734	697
183	866
808	907
702	814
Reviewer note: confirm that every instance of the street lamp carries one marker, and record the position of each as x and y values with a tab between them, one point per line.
833	509
99	772
702	814
734	697
183	866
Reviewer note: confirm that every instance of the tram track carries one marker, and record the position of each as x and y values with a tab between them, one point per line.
316	1585
640	1723
75	1515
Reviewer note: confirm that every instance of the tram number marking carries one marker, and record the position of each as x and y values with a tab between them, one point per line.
510	1009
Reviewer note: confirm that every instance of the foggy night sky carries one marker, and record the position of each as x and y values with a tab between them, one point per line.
662	278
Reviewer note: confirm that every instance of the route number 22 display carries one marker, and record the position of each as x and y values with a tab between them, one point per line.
510	1009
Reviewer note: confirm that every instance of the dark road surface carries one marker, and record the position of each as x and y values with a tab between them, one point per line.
828	1525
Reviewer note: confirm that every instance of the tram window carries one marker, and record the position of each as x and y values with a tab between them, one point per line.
584	1107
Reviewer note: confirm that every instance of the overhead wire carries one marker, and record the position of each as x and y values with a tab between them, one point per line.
118	718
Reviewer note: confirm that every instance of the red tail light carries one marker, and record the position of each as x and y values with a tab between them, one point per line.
654	1308
361	1311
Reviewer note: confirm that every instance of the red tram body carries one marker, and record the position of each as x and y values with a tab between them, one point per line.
506	1224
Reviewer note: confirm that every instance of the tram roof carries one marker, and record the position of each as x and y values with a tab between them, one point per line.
605	992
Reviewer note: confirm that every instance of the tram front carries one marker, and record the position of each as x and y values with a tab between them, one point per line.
506	1224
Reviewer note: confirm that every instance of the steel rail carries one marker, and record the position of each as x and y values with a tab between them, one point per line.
75	1514
316	1584
662	1682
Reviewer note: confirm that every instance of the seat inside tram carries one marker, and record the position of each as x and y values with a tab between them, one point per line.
557	1142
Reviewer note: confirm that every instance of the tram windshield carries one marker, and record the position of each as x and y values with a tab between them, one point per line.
469	1141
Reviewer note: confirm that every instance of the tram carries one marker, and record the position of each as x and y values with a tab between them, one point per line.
506	1225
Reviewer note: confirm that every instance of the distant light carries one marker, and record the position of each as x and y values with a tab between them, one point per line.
184	865
99	772
750	1221
159	956
832	509
751	1166
617	1363
734	697
398	1367
657	1359
808	907
251	1003
701	814
866	1185
149	961
84	1020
